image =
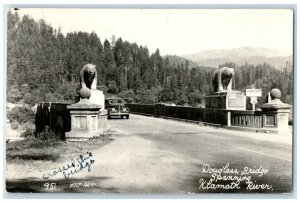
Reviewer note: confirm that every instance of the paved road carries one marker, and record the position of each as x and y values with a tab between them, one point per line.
154	155
171	156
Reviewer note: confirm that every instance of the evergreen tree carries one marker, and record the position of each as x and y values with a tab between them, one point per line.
44	65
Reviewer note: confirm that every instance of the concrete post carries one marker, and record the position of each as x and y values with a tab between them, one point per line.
87	121
276	113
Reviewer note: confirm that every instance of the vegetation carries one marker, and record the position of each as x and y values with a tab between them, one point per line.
21	114
44	65
50	148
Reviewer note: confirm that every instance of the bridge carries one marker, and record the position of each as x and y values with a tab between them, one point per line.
150	154
156	154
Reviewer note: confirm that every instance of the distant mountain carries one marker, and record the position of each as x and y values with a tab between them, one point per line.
250	55
174	59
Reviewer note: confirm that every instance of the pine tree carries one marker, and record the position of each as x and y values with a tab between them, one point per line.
109	63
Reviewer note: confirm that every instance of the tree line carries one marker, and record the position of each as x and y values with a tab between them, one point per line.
44	65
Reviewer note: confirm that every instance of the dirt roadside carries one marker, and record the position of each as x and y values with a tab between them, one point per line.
128	164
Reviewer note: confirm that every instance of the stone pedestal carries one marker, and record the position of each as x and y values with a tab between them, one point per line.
97	97
229	100
275	115
86	121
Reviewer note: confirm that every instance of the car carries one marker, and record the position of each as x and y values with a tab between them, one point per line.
116	107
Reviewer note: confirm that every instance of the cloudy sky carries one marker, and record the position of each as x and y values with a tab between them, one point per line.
178	31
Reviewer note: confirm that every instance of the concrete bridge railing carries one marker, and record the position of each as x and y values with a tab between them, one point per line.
266	120
53	116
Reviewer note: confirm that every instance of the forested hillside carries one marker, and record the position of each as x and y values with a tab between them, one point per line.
43	65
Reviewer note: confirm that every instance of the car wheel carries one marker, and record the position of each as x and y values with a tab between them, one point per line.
121	117
127	116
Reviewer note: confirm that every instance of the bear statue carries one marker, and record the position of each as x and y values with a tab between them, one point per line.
222	79
88	76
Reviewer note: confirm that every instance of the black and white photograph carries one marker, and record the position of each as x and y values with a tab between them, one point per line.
183	101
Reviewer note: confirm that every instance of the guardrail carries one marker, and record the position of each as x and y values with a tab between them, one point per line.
238	118
252	119
54	117
187	113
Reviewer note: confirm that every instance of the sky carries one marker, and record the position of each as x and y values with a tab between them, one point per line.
178	31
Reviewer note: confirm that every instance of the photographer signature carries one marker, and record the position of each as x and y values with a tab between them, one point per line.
72	168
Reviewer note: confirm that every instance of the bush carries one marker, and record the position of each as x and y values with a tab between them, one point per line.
128	96
54	97
14	95
196	98
36	96
112	87
14	125
21	114
28	125
29	132
66	92
48	134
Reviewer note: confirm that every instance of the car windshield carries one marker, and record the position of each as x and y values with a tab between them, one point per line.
116	101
